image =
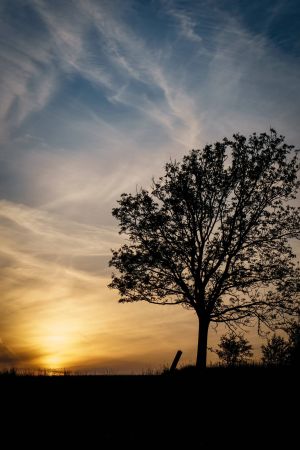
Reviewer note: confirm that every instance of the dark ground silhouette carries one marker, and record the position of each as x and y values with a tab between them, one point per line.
230	407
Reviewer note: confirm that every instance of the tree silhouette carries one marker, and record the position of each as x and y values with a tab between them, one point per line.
212	232
275	352
279	351
293	332
234	349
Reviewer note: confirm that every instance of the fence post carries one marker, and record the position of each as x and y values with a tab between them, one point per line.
175	361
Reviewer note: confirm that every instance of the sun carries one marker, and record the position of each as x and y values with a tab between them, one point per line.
52	362
56	341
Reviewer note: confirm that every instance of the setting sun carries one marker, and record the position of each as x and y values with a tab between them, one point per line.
52	362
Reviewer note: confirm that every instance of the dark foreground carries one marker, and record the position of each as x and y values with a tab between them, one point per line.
230	408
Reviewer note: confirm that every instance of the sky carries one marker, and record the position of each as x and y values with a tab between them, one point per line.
96	96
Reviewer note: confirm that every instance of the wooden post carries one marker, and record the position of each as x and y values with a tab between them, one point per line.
175	361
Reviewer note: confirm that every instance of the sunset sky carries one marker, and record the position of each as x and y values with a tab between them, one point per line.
96	96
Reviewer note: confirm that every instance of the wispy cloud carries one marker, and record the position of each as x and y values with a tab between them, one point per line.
28	78
128	58
55	235
186	24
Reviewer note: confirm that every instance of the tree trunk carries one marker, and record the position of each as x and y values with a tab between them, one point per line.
202	342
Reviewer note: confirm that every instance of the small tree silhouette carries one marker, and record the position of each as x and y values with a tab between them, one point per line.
294	343
278	351
275	352
234	349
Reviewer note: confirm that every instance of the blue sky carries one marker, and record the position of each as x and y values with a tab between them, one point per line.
95	97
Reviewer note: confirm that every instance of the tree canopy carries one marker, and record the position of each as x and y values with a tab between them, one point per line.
214	234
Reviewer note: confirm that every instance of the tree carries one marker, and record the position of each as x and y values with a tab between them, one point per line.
212	232
293	332
279	351
275	352
234	349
